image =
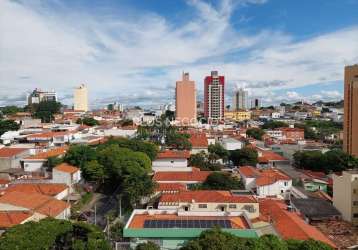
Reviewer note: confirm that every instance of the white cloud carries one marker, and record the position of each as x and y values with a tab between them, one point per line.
139	56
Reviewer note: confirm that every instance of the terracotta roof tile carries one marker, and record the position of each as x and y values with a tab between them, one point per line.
169	154
42	204
48	135
10	152
50	153
198	140
65	167
249	171
199	176
50	189
289	224
210	196
13	218
270	176
162	187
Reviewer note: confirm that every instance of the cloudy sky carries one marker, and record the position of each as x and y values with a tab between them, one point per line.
133	51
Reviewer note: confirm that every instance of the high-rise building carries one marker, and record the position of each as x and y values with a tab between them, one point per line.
81	98
345	195
255	103
350	137
214	102
185	100
240	100
39	95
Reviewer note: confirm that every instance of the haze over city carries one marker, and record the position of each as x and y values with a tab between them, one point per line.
134	51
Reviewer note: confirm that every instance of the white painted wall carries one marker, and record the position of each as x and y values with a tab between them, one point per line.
172	162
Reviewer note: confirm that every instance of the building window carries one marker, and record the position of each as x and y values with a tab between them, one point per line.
354	191
203	206
355	203
249	208
186	208
171	161
285	183
355	215
232	206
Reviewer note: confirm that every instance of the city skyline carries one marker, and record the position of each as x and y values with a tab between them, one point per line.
112	50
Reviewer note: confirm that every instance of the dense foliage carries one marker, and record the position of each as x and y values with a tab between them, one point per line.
215	239
89	121
119	163
333	160
217	151
53	234
221	181
45	110
147	246
10	110
244	156
274	124
178	141
255	133
8	125
204	162
318	130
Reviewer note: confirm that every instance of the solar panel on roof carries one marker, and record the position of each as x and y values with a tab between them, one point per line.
186	223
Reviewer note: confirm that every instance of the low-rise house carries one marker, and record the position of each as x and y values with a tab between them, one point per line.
38	161
205	201
67	174
171	229
266	182
9	219
127	132
232	143
170	188
314	209
187	178
268	158
171	160
289	224
55	190
10	157
42	206
199	143
52	138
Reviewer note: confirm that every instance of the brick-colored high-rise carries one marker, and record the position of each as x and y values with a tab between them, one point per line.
214	97
185	100
350	139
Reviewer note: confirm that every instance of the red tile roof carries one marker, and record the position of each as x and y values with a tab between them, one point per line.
10	152
13	218
199	176
4	181
268	156
50	153
42	204
170	154
270	176
50	189
249	172
48	135
164	187
290	225
209	196
198	140
65	167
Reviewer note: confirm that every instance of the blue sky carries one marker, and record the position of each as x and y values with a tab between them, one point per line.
134	51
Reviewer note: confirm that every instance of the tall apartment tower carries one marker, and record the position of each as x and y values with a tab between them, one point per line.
240	99
214	99
81	98
38	96
350	137
255	103
185	100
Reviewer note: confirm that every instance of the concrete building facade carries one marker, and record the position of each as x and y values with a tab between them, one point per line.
350	140
214	102
185	100
240	100
81	98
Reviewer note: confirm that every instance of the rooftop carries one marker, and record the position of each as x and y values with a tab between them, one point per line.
50	153
10	152
208	196
315	208
198	140
42	204
176	154
199	176
65	167
50	189
13	218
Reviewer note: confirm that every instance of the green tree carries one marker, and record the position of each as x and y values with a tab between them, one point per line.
53	162
89	121
46	110
221	181
10	110
218	151
244	156
274	124
178	141
93	171
147	246
78	155
8	125
255	133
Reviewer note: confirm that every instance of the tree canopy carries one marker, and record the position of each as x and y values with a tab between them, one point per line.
10	110
221	181
89	121
215	239
255	133
147	246
201	160
8	125
244	156
333	160
53	234
45	110
274	124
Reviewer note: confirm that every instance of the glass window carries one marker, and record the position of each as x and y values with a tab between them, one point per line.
203	205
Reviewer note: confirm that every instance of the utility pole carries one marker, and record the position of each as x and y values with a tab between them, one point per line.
95	214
